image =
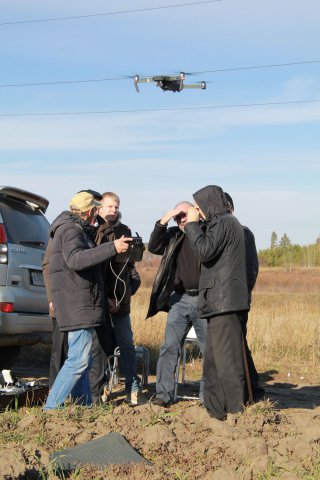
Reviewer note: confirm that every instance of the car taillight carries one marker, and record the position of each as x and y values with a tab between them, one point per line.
3	245
6	307
3	235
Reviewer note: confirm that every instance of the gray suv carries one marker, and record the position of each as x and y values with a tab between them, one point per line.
24	230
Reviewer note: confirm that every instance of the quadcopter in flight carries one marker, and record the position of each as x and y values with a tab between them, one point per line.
168	83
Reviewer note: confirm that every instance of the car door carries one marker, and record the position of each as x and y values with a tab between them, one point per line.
26	231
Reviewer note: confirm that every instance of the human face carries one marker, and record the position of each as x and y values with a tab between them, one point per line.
90	216
202	215
109	209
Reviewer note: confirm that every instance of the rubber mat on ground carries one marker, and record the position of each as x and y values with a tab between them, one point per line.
112	448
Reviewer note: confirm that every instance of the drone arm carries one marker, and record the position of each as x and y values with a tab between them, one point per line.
138	79
145	80
201	85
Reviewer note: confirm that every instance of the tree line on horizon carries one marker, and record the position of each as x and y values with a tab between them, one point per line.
283	253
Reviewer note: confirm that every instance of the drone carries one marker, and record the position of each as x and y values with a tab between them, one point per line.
168	83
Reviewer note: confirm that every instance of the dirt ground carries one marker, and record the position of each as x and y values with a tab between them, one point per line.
276	438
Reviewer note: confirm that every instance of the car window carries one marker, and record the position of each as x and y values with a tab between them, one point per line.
24	224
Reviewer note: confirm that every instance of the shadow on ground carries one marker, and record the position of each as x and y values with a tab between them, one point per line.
289	395
284	394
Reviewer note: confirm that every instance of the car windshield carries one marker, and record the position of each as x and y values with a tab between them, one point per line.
24	224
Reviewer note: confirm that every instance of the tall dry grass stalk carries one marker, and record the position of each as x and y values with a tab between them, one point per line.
283	327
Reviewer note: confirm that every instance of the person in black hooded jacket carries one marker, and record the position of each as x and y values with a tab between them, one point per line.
223	296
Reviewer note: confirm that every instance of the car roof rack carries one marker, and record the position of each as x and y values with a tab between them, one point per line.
40	202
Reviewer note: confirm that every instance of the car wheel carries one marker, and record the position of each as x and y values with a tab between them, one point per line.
8	356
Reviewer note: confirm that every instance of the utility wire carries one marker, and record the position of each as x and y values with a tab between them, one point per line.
148	110
128	77
63	82
105	14
231	69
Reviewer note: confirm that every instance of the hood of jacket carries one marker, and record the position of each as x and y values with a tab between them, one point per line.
69	217
212	201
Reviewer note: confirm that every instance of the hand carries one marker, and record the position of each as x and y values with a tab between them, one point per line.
193	215
113	307
122	244
167	217
51	310
171	214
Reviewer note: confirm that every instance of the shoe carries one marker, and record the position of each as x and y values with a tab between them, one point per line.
221	418
136	398
160	403
50	411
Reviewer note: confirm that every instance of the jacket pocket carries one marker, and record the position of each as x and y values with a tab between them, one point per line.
206	282
206	288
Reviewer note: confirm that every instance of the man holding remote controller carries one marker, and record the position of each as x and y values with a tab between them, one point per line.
122	280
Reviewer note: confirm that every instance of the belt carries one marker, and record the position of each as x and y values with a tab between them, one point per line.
192	293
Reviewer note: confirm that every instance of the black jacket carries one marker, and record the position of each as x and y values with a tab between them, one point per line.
252	261
121	281
75	274
221	250
163	241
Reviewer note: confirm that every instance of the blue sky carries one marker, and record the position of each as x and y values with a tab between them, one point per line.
267	157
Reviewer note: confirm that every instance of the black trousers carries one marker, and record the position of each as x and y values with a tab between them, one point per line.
257	390
59	351
102	347
225	389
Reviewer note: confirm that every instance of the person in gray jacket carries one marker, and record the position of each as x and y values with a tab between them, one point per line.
77	293
223	296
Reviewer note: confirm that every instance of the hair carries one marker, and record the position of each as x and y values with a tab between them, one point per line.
184	202
229	201
112	195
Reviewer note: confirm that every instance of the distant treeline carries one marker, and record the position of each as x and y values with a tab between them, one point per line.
282	253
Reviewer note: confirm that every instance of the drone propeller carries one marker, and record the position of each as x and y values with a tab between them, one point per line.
192	74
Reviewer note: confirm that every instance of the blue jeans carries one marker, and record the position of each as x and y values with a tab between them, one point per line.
181	317
73	377
128	360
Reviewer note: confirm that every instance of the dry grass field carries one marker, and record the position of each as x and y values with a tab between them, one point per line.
278	438
284	322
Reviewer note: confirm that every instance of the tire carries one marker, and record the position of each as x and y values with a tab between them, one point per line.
8	356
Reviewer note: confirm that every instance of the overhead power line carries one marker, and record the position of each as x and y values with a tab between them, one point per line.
252	67
106	14
128	77
62	82
148	110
